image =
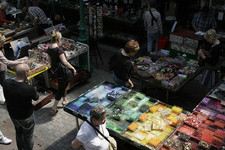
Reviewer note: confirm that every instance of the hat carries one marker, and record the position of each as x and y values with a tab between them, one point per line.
2	38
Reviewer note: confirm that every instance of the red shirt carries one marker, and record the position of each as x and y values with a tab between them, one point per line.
2	18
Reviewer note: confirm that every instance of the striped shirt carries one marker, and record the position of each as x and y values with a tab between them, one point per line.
39	13
204	23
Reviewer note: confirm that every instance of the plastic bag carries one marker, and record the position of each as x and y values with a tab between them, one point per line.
2	97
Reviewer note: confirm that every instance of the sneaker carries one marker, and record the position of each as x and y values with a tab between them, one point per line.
5	141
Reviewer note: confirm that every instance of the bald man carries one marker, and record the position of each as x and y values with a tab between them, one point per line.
19	95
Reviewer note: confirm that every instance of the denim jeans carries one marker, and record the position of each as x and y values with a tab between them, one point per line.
24	132
152	37
2	77
120	82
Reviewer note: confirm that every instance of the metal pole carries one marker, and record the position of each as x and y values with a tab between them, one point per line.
83	59
82	29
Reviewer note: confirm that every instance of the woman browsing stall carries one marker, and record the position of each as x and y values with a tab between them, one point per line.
57	56
212	60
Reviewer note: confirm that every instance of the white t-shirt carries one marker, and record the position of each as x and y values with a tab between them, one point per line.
90	138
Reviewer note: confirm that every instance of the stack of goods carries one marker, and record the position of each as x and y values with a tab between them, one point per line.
183	44
218	92
153	127
203	129
166	71
7	32
72	49
127	109
35	65
96	95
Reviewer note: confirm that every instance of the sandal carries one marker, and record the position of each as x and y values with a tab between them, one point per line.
53	112
64	103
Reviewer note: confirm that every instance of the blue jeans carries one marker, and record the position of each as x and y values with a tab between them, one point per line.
24	133
120	82
151	38
2	77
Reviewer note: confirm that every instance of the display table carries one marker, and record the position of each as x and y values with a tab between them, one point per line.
32	73
184	41
131	116
167	71
205	127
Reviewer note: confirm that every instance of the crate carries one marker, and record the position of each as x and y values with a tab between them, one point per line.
81	76
44	98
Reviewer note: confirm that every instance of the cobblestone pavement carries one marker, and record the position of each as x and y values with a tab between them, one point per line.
52	133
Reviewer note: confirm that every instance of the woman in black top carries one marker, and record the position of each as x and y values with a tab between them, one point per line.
121	64
56	55
212	60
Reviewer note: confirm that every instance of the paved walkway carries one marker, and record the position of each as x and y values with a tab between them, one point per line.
52	133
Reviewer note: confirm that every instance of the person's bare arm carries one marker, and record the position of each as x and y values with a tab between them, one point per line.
66	63
76	144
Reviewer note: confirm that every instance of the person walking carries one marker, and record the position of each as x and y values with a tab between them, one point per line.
56	56
153	26
19	94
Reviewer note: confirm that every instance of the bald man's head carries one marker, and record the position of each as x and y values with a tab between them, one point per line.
22	70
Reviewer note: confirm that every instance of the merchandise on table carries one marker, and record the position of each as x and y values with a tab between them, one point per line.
35	65
200	131
166	71
154	126
94	96
218	92
127	109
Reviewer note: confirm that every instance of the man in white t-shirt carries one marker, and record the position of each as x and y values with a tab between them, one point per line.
88	137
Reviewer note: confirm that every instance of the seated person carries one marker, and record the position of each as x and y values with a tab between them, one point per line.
88	137
204	20
3	6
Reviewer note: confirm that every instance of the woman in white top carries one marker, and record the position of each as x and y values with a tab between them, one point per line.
88	137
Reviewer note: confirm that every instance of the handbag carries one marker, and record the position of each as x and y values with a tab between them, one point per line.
107	139
63	71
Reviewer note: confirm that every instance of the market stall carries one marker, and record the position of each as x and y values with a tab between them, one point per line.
39	62
132	116
166	73
204	128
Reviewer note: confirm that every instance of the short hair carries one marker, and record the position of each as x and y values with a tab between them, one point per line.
97	112
3	4
131	46
210	35
56	36
21	70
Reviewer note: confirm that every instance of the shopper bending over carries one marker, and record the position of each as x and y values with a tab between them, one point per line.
19	95
212	60
57	55
88	137
121	64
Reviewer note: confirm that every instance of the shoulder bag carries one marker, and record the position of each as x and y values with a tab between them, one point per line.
107	139
63	71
